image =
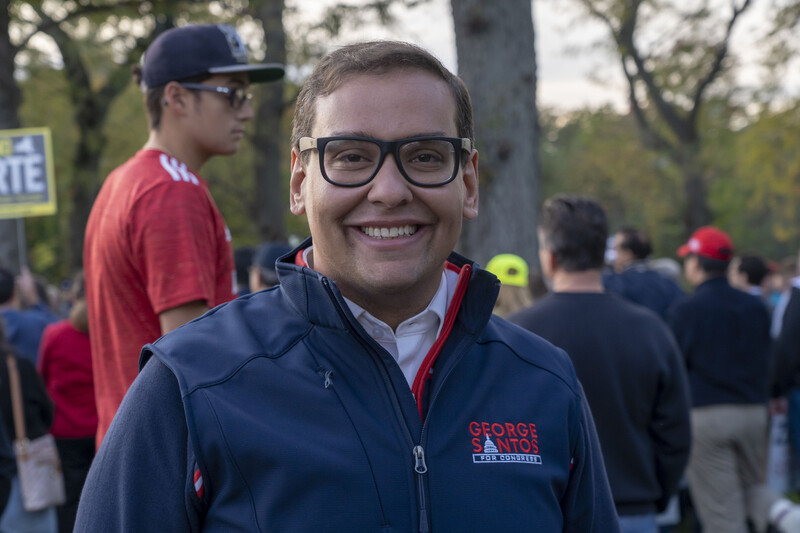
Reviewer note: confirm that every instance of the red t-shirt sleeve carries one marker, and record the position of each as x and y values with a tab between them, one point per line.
174	236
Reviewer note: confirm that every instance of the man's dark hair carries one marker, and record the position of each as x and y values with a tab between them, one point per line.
574	229
6	285
754	267
636	241
713	267
375	58
154	96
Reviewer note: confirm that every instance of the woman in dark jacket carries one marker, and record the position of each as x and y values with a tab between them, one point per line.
38	411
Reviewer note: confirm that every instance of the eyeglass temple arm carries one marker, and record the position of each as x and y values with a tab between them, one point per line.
307	143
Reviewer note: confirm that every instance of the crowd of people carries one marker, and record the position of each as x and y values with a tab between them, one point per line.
676	381
370	377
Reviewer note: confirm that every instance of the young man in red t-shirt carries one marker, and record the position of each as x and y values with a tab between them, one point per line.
158	252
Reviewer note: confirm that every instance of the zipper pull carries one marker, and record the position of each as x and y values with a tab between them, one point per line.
328	378
419	460
420	468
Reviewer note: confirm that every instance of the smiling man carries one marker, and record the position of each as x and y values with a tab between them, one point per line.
157	251
372	389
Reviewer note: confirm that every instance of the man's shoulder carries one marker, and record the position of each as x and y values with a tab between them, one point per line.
530	348
216	344
607	309
150	171
540	309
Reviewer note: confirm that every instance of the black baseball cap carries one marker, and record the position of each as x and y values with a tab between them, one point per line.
181	53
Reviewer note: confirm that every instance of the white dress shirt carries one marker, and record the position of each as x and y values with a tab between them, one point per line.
414	336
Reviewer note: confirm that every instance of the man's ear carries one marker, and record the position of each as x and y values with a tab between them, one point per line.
470	177
175	97
547	260
298	176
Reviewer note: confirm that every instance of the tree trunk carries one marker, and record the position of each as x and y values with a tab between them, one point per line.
271	196
497	61
697	212
83	188
10	100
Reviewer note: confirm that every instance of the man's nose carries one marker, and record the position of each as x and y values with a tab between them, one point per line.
389	187
245	112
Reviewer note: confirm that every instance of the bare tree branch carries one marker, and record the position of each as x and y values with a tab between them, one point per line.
716	67
623	34
625	39
47	22
651	137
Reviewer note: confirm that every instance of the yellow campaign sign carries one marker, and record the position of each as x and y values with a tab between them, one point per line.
27	180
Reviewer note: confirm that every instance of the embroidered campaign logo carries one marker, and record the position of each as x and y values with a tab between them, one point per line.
505	442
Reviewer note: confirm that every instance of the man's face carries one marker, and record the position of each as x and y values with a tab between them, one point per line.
735	278
380	272
216	127
692	270
623	256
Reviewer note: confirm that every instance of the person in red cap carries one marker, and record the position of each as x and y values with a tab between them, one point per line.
157	252
724	336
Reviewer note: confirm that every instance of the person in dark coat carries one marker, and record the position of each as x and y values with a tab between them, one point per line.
625	357
724	334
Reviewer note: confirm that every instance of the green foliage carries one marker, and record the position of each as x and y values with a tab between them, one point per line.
753	177
761	195
46	104
598	154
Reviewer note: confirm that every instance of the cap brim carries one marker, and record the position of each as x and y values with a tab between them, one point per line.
684	250
259	73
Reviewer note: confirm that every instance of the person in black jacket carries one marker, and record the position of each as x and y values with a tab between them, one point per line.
786	373
625	357
38	412
724	335
634	278
8	467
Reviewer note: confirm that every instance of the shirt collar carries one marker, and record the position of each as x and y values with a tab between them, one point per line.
432	315
437	306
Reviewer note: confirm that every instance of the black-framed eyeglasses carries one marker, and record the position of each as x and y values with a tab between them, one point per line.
354	161
236	97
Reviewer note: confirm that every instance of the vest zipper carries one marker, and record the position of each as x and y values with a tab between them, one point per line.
421	469
418	452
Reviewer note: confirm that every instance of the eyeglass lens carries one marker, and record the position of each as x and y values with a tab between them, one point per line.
238	97
428	162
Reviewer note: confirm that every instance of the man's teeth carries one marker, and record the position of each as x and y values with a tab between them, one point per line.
389	233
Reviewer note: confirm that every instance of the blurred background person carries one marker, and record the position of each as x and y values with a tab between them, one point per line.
38	414
786	281
515	293
262	271
724	335
242	259
634	279
24	313
748	273
65	364
625	357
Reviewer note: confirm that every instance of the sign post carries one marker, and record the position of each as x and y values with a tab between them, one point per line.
27	180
